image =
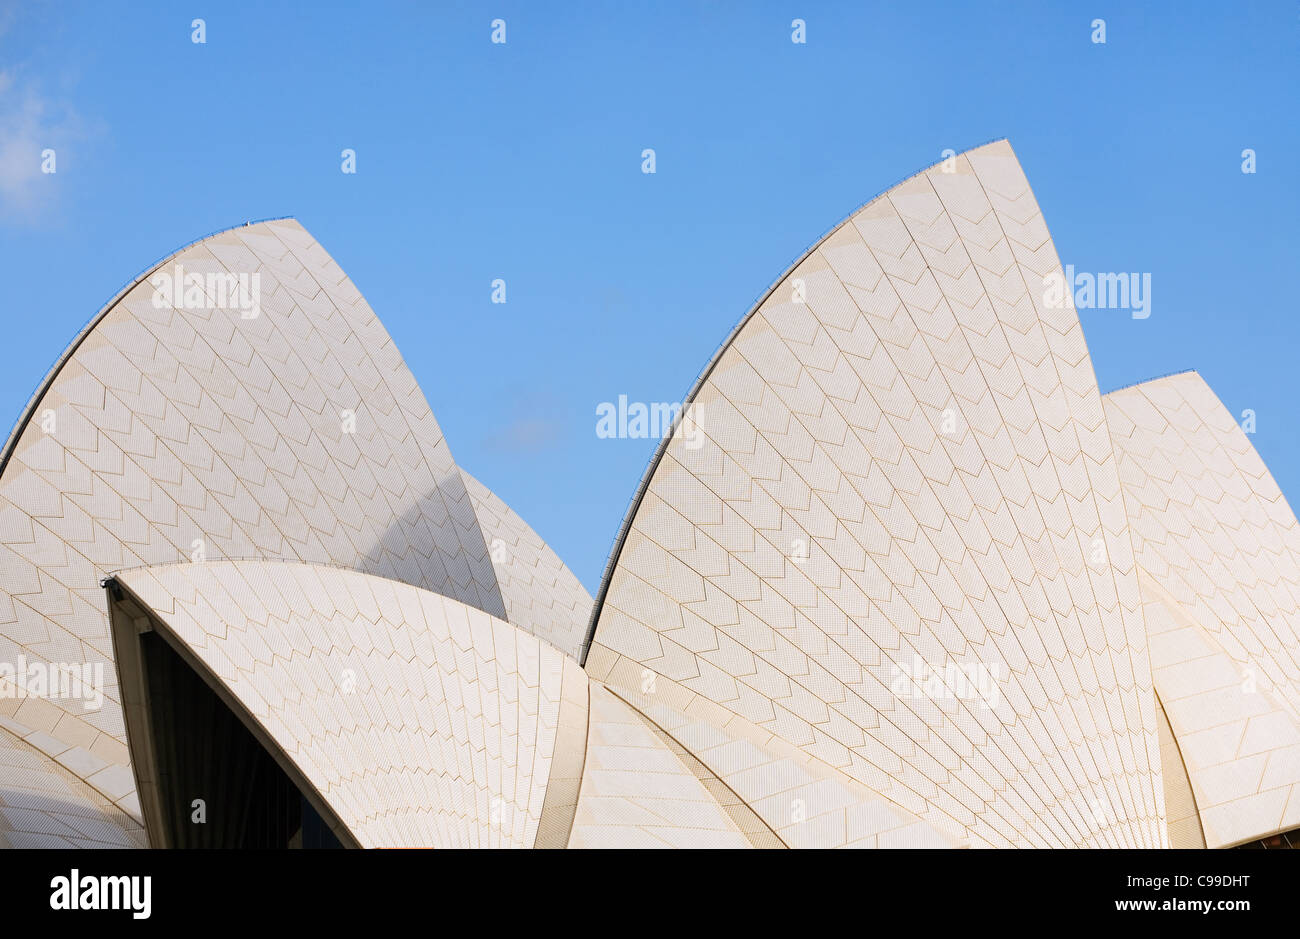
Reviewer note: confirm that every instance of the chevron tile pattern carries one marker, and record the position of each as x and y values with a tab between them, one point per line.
45	804
903	466
904	578
541	595
1218	553
420	720
171	431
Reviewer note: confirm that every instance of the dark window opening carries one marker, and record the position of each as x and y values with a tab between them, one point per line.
218	787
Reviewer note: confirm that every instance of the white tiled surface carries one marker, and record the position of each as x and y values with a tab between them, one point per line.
1180	802
933	435
541	595
804	802
920	422
177	425
565	778
1218	549
420	720
43	803
636	793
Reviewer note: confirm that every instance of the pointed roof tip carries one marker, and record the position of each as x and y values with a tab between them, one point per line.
704	373
7	444
247	223
1156	378
229	229
926	170
996	145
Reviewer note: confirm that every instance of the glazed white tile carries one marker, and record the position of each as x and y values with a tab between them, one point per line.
901	462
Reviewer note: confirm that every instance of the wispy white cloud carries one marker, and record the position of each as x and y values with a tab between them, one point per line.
31	126
525	436
33	122
535	426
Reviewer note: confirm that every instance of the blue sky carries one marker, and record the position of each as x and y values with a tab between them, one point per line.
523	161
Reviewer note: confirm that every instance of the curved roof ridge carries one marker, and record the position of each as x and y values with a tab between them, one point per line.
703	375
1147	381
190	606
386	501
25	415
1246	549
810	543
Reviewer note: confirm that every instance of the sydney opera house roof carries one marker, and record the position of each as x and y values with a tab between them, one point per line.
907	579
